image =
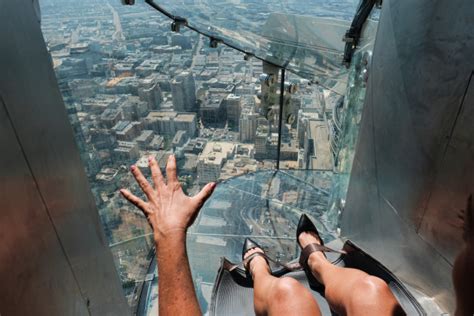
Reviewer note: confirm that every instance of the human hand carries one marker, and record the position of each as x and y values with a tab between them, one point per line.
168	209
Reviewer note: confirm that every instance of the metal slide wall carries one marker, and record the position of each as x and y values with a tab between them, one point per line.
53	254
414	163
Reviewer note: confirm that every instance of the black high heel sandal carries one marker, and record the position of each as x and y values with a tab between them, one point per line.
245	264
306	225
250	244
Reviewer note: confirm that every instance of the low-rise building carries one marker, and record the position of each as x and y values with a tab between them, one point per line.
211	160
238	166
126	131
144	139
168	122
179	139
110	117
126	151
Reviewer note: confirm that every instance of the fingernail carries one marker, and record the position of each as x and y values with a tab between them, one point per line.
132	167
150	158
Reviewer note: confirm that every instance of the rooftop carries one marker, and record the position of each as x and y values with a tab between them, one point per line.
217	152
144	136
171	115
322	157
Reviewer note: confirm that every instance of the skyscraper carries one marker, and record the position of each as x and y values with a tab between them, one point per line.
150	92
233	106
247	126
183	90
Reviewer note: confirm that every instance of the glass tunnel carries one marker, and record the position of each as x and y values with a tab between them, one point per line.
322	107
255	97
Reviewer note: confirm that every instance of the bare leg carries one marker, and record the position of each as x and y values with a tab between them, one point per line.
279	296
350	291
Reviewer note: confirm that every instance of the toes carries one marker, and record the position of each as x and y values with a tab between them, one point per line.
307	238
252	251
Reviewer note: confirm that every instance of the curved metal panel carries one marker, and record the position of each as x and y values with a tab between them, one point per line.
34	272
38	117
414	144
441	224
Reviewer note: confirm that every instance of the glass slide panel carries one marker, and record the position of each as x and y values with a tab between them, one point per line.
265	206
344	119
303	36
322	124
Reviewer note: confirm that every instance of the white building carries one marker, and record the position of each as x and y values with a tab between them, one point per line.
247	126
211	160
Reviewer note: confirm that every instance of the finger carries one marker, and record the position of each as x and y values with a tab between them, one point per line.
204	194
142	182
135	200
156	174
171	171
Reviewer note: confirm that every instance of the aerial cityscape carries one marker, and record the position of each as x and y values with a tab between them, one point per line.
133	88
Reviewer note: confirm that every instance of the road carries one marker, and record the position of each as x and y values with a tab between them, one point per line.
118	35
198	49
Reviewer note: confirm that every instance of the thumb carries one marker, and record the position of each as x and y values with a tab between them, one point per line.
205	193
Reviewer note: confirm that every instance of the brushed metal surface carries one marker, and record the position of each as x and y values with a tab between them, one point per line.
35	276
37	114
454	182
407	154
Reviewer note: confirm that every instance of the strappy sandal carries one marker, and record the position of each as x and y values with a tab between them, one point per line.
250	244
245	264
306	225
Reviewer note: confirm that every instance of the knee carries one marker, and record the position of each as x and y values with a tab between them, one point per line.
373	294
284	288
372	289
374	284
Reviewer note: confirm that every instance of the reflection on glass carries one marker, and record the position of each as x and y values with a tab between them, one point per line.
346	116
266	206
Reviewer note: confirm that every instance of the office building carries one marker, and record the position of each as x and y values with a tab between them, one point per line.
233	106
183	90
247	125
168	122
150	92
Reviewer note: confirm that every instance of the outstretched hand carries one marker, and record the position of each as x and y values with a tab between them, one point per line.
167	208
